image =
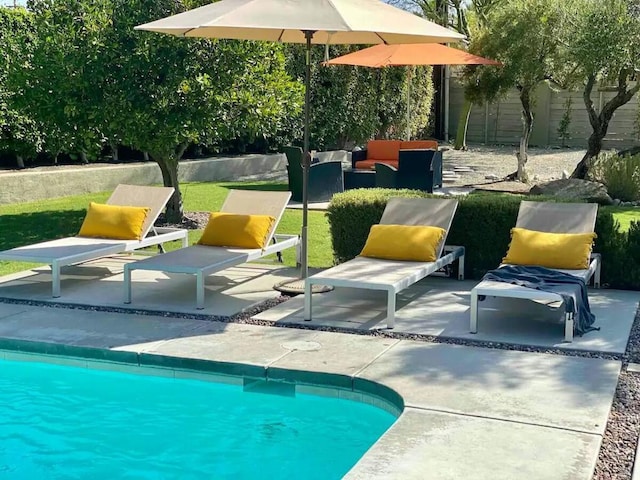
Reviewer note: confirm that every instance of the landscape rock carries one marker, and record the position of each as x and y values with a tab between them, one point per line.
574	189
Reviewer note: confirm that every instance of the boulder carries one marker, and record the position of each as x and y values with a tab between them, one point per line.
574	189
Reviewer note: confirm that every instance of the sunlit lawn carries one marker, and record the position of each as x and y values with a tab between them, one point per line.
55	218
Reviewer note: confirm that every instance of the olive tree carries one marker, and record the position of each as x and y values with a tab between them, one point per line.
523	35
602	41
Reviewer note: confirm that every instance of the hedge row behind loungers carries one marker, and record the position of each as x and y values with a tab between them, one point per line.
482	225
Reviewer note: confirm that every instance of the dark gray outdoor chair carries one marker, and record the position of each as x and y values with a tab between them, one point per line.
325	178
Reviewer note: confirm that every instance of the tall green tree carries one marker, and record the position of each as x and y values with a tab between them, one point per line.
94	79
57	84
523	35
602	42
19	132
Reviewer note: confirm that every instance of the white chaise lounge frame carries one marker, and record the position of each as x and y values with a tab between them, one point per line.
73	250
393	276
202	260
545	217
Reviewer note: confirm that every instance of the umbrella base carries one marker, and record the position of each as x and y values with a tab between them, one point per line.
296	287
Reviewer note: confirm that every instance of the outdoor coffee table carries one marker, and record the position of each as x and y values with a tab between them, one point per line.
359	179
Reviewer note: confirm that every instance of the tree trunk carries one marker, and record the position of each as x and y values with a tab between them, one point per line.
527	127
463	125
600	122
145	156
83	157
169	168
20	161
168	163
115	153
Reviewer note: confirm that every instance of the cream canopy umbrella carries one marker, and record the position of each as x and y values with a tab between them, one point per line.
380	56
304	21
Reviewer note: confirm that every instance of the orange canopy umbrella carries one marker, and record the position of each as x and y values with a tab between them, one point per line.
383	55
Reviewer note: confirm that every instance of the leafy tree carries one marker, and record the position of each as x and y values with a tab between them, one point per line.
522	34
94	79
57	87
602	42
194	90
19	133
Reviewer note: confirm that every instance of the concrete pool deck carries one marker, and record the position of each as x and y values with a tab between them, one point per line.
470	412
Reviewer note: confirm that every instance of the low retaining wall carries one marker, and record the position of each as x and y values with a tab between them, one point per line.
52	182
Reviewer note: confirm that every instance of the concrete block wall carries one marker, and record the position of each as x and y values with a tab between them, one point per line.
52	182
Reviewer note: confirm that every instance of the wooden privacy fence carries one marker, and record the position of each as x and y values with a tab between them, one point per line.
499	122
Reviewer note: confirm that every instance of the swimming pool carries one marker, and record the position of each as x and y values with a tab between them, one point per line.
69	422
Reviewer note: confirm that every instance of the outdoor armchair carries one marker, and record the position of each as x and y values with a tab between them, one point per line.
325	178
417	170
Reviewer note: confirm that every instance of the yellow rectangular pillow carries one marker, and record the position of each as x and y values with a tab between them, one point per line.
114	222
239	231
569	251
417	243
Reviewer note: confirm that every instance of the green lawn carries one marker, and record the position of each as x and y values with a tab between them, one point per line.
49	219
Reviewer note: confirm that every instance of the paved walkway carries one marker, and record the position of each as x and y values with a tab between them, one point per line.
470	412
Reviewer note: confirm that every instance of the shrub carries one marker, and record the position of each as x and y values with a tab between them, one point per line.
621	175
482	225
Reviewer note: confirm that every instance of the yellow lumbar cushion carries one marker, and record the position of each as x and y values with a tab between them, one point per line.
239	231
114	222
417	243
569	251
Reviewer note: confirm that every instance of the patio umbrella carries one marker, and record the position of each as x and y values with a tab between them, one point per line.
304	21
380	56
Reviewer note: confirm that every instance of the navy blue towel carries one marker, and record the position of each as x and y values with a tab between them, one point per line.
572	289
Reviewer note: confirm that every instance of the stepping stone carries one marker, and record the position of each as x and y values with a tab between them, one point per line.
463	169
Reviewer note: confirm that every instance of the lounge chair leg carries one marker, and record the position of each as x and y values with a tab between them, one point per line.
461	268
568	327
185	241
55	273
473	327
391	309
307	300
199	291
596	276
127	284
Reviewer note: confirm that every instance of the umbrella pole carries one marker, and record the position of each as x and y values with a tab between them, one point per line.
298	286
408	109
306	161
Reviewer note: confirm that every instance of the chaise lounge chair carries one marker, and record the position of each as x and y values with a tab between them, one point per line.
393	276
204	260
78	249
552	218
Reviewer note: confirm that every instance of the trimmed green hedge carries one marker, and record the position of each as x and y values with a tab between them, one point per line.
482	225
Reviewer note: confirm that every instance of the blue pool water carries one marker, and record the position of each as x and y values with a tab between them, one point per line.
67	422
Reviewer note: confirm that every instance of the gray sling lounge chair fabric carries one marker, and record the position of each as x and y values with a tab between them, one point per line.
203	260
72	250
553	218
393	276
